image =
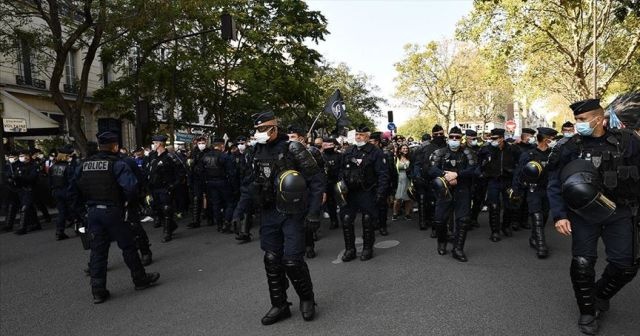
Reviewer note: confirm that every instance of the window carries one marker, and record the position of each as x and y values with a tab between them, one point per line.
25	60
106	73
70	69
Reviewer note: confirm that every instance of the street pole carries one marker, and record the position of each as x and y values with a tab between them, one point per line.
595	50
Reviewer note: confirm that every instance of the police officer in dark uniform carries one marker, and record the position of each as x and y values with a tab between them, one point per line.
452	169
12	199
164	171
568	129
26	177
420	176
60	176
40	190
593	192
332	163
296	133
286	185
392	172
497	163
531	178
218	174
418	183
521	214
197	183
365	174
478	184
243	159
106	183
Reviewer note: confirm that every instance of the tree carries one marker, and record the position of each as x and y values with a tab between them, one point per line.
549	43
62	26
418	125
432	79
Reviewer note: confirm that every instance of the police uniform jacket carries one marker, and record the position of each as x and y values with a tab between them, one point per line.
365	169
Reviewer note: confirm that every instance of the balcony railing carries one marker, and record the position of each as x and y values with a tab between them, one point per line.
70	88
36	83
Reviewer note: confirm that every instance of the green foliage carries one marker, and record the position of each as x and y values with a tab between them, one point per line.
418	125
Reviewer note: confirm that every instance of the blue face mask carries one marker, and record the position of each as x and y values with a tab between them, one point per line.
453	144
584	128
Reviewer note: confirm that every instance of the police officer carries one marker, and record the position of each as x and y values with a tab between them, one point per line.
196	183
365	174
568	129
243	159
332	163
12	199
26	178
218	174
419	187
497	163
593	192
420	176
479	184
521	214
285	185
106	183
452	169
164	171
60	176
296	133
392	173
531	178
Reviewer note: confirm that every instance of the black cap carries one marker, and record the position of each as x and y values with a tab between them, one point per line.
14	153
25	152
159	137
586	105
68	149
437	128
546	131
263	117
362	128
241	139
455	130
295	129
567	124
426	137
376	136
217	140
498	132
529	131
470	133
107	138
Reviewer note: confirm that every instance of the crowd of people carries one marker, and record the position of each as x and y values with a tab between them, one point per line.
286	181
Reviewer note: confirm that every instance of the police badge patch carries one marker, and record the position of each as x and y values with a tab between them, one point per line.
597	161
452	162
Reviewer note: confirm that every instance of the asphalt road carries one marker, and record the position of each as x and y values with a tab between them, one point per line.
210	285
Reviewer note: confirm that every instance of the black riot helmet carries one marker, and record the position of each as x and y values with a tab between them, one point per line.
581	187
441	188
532	171
292	193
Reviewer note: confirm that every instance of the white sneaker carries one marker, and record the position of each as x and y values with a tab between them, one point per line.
146	219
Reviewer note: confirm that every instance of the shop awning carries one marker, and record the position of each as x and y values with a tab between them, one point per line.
18	112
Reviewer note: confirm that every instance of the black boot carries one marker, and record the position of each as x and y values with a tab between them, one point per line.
368	238
61	236
461	238
10	219
507	217
583	280
226	227
333	225
538	235
298	273
349	239
146	258
167	224
22	224
277	281
196	212
145	280
100	295
309	243
430	214
612	280
157	221
494	222
441	234
244	229
524	217
383	227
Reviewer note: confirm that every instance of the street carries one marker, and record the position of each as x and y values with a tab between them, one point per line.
211	285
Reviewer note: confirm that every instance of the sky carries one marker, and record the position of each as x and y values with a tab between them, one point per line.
369	36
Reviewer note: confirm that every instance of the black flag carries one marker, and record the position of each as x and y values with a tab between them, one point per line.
335	107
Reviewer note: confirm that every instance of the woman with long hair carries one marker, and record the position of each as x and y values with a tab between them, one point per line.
402	194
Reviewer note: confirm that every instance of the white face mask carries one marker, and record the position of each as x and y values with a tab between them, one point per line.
22	159
252	142
202	146
262	137
12	160
474	143
153	147
552	143
567	134
453	144
51	158
241	147
360	143
146	153
532	140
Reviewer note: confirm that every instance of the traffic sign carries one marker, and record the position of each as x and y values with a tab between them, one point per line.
391	126
510	125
